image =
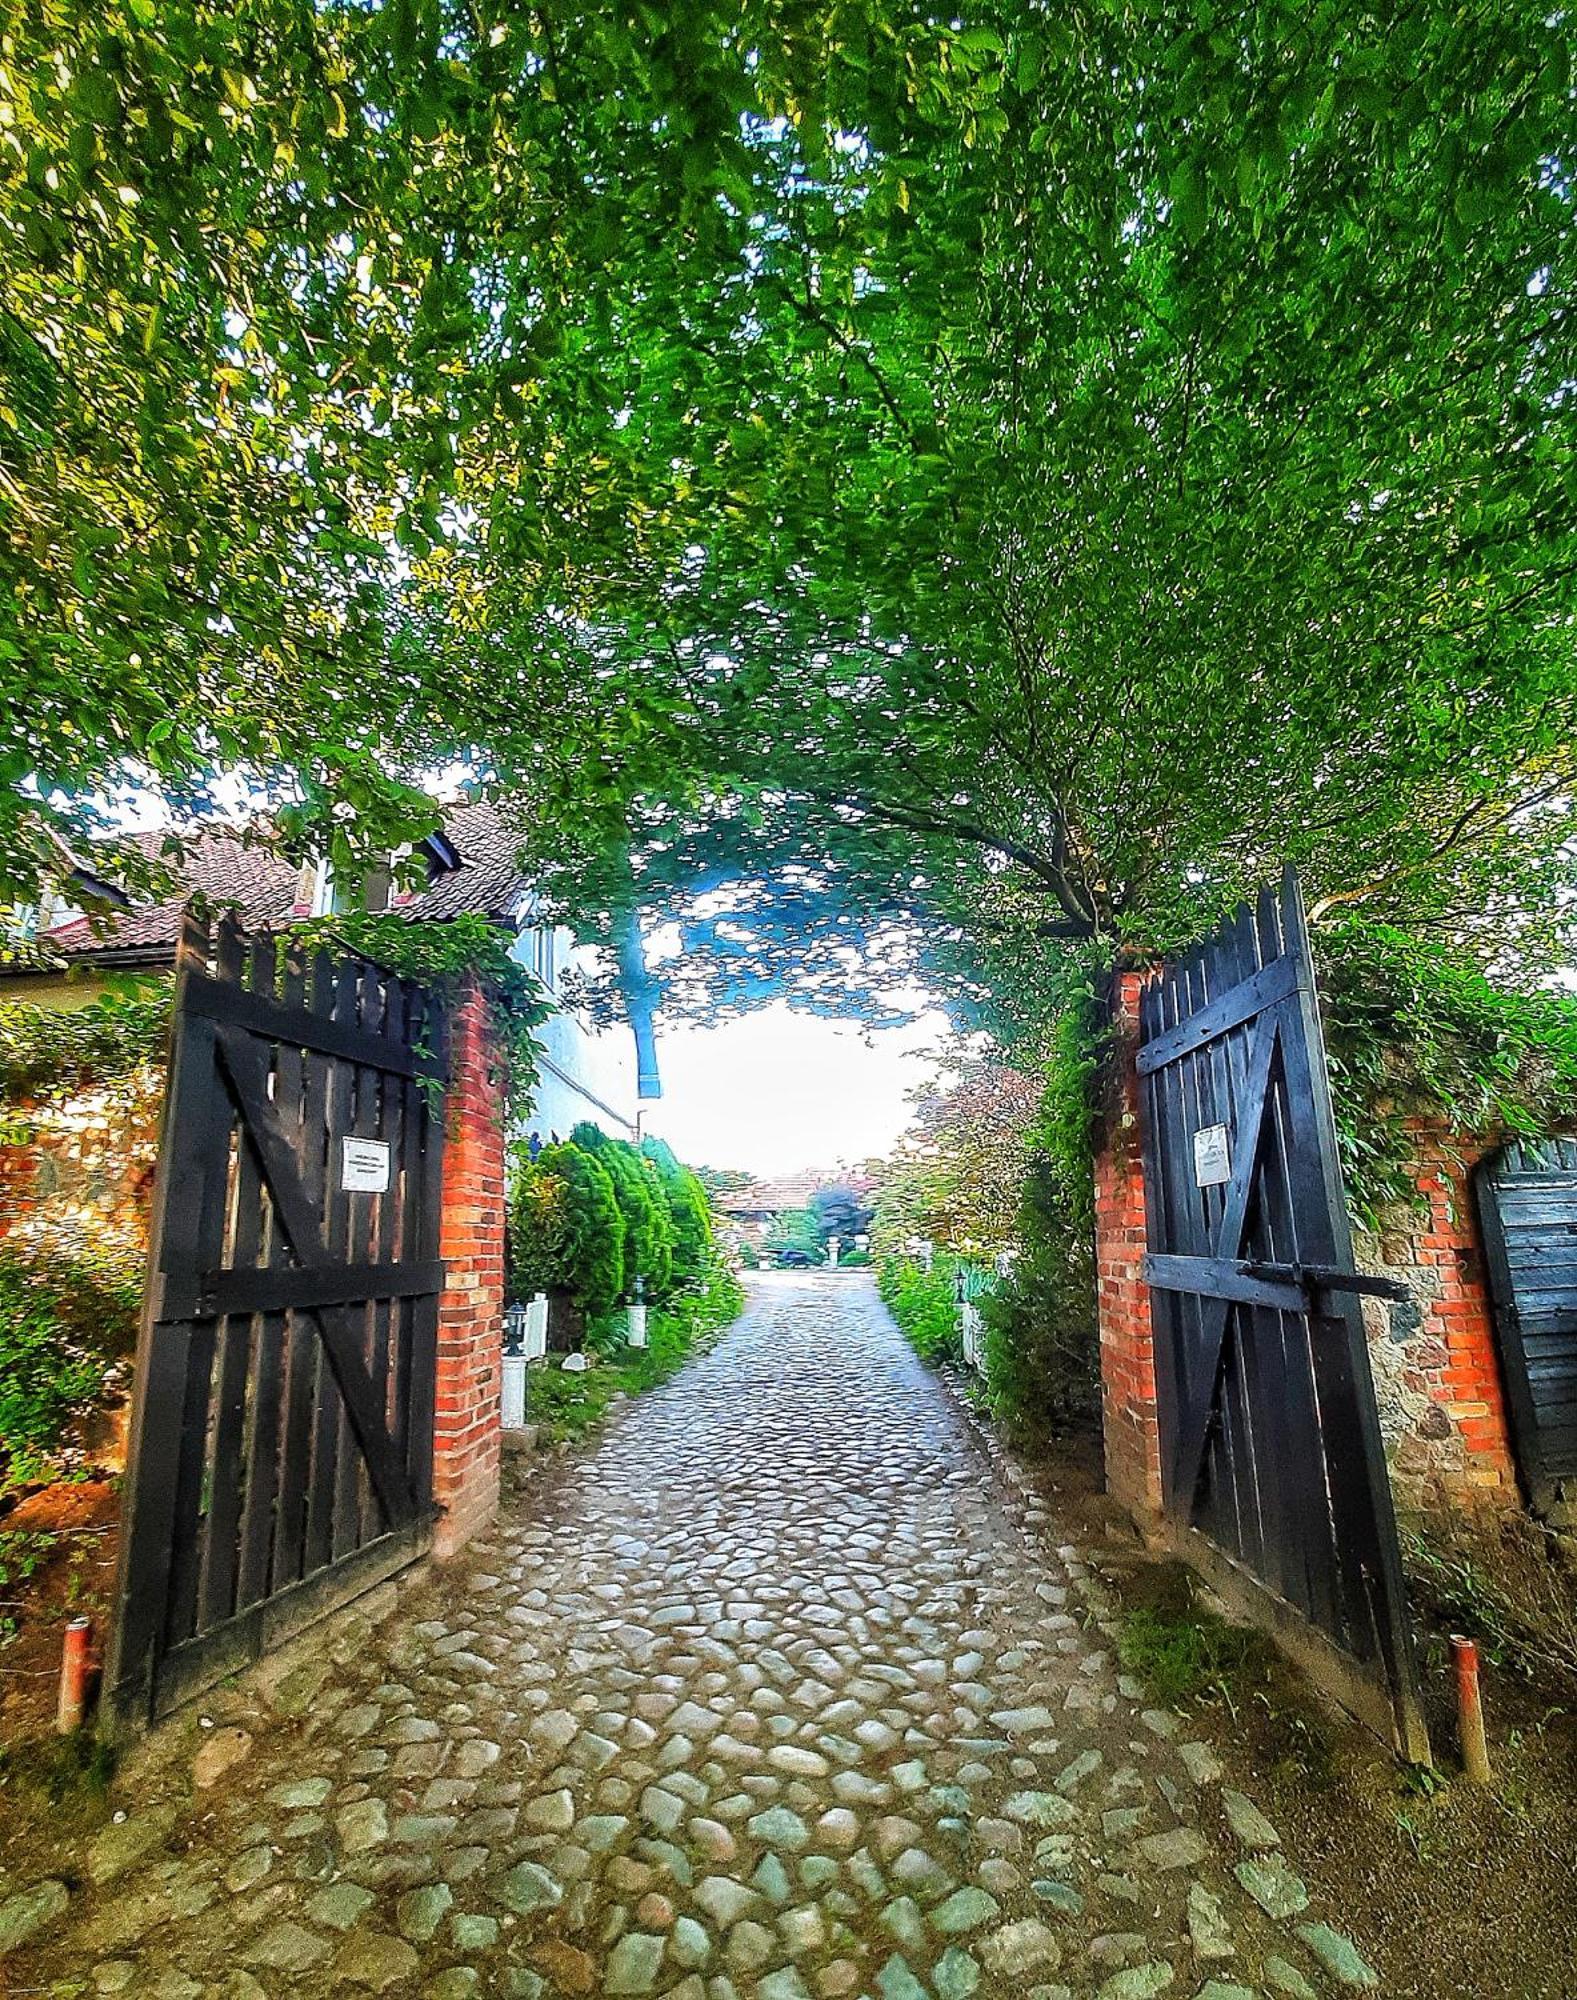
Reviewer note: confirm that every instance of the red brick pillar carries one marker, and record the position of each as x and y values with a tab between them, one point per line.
467	1431
1128	1415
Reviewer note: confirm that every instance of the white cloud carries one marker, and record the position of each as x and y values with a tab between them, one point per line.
778	1091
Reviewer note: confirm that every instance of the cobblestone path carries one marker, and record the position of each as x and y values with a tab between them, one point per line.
780	1692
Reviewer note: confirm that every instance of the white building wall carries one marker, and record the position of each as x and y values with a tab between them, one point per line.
586	1072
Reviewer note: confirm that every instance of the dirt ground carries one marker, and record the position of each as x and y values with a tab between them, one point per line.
75	1578
1448	1889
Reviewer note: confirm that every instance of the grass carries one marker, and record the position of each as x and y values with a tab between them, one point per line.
1188	1655
572	1406
1508	1583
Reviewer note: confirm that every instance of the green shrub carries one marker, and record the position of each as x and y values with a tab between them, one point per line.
643	1203
690	1211
68	1319
854	1260
571	1406
566	1232
1042	1337
925	1306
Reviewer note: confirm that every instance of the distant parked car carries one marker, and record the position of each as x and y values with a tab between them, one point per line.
794	1259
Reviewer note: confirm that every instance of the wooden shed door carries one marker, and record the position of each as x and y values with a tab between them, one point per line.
1527	1204
1273	1475
282	1419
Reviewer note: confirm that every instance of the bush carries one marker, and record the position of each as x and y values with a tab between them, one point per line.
68	1319
691	1214
854	1260
572	1406
643	1203
925	1306
1042	1337
566	1231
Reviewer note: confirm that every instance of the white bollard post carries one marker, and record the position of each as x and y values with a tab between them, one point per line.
635	1331
514	1392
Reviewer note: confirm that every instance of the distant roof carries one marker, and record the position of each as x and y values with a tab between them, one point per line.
789	1191
263	889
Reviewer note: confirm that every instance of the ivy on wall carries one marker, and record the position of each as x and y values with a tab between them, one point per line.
50	1051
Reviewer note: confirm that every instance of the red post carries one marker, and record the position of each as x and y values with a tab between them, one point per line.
76	1675
1470	1710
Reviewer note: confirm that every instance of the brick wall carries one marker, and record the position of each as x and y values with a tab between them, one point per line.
1434	1357
467	1433
1128	1414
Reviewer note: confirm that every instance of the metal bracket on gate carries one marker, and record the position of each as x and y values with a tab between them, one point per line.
1314	1278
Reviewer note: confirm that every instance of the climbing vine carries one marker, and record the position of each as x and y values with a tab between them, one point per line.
48	1051
445	957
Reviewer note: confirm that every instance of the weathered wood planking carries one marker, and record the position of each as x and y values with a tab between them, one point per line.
1527	1204
1270	1439
282	1420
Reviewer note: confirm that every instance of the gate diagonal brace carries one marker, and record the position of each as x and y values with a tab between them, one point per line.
1194	1429
246	1073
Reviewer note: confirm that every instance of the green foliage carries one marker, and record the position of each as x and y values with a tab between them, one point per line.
1410	1028
447	956
68	1316
46	1051
1042	1335
643	1203
572	1406
566	1234
925	1306
855	1260
690	1210
797	1229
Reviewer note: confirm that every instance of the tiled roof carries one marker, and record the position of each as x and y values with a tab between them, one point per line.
789	1191
262	888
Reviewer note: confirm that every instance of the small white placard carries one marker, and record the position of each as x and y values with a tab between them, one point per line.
364	1166
1212	1156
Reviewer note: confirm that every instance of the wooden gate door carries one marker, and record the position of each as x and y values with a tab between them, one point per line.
282	1422
1527	1205
1273	1476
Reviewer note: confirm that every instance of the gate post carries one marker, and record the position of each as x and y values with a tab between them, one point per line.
468	1418
1128	1406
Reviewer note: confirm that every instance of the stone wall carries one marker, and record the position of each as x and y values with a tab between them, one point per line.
83	1166
1434	1357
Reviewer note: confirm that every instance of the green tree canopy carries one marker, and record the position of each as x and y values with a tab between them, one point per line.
953	486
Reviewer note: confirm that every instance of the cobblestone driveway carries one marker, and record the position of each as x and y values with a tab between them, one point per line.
780	1692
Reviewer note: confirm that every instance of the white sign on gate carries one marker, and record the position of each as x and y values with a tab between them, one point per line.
364	1166
1212	1156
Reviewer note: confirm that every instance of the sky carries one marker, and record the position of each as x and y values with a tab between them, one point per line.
779	1091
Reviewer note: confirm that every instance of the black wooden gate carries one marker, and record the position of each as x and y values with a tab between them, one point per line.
282	1423
1273	1475
1527	1204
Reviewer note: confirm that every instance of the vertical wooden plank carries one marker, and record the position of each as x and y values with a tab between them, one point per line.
424	1311
331	1430
303	1359
1360	1485
159	1379
265	1428
228	1460
351	1485
1178	1311
194	1446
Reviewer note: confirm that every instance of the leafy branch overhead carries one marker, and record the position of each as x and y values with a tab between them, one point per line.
900	493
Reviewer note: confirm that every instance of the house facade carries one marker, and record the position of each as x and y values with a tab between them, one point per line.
469	868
